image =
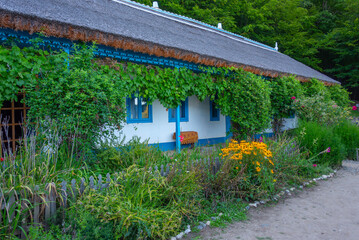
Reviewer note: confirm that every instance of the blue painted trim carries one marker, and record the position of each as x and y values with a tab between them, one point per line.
216	110
140	119
25	39
184	119
167	146
178	129
292	116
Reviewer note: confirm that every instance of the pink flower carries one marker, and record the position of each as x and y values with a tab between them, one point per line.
354	108
293	98
314	165
181	138
334	106
328	149
261	139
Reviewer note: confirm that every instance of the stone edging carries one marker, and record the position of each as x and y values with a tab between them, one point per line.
285	191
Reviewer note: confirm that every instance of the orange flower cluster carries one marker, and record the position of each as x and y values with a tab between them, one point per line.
237	151
247	148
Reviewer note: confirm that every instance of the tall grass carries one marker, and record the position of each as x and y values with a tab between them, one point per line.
316	138
349	135
39	159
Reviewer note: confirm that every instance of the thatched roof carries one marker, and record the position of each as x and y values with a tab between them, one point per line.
132	26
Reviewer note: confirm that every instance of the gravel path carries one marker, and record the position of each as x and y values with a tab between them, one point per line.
329	210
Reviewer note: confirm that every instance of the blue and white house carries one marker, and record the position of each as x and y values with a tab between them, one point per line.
132	32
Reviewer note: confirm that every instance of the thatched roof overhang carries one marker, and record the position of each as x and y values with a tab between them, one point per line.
213	49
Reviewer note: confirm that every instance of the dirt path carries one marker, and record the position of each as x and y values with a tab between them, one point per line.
329	210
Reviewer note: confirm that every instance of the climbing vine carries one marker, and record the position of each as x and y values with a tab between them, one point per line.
285	91
245	97
87	95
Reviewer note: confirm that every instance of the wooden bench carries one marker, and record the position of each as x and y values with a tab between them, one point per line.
189	137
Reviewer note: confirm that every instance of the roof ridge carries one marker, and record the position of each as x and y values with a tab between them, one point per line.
256	43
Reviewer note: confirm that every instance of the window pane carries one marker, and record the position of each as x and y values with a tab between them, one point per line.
183	109
173	113
144	109
214	110
134	108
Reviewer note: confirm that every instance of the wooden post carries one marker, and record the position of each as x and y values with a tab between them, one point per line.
37	202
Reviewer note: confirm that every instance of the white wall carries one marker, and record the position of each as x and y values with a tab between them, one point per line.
288	123
161	131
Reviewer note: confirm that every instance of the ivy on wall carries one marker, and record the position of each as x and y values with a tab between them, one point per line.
87	94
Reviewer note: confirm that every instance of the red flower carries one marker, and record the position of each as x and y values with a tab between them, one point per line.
2	159
302	106
354	108
293	98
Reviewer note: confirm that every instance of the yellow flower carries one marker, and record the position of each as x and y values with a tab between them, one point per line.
237	168
271	171
258	169
270	161
274	180
258	163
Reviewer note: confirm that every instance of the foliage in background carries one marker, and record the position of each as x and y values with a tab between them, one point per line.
315	138
321	34
284	91
245	97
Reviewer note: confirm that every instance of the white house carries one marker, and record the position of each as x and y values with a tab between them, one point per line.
128	31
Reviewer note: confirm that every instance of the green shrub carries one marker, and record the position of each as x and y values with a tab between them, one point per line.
339	95
144	205
316	138
120	156
320	109
314	88
349	135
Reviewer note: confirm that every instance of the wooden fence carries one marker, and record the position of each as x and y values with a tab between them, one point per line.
41	206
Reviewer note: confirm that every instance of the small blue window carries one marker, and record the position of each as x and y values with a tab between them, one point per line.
213	111
183	112
138	110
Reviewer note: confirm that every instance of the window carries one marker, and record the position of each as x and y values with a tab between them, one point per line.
183	112
12	123
213	111
138	110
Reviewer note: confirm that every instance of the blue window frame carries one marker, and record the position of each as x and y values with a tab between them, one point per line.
183	112
138	110
213	111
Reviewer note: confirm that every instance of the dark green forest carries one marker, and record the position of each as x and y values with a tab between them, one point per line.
323	34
